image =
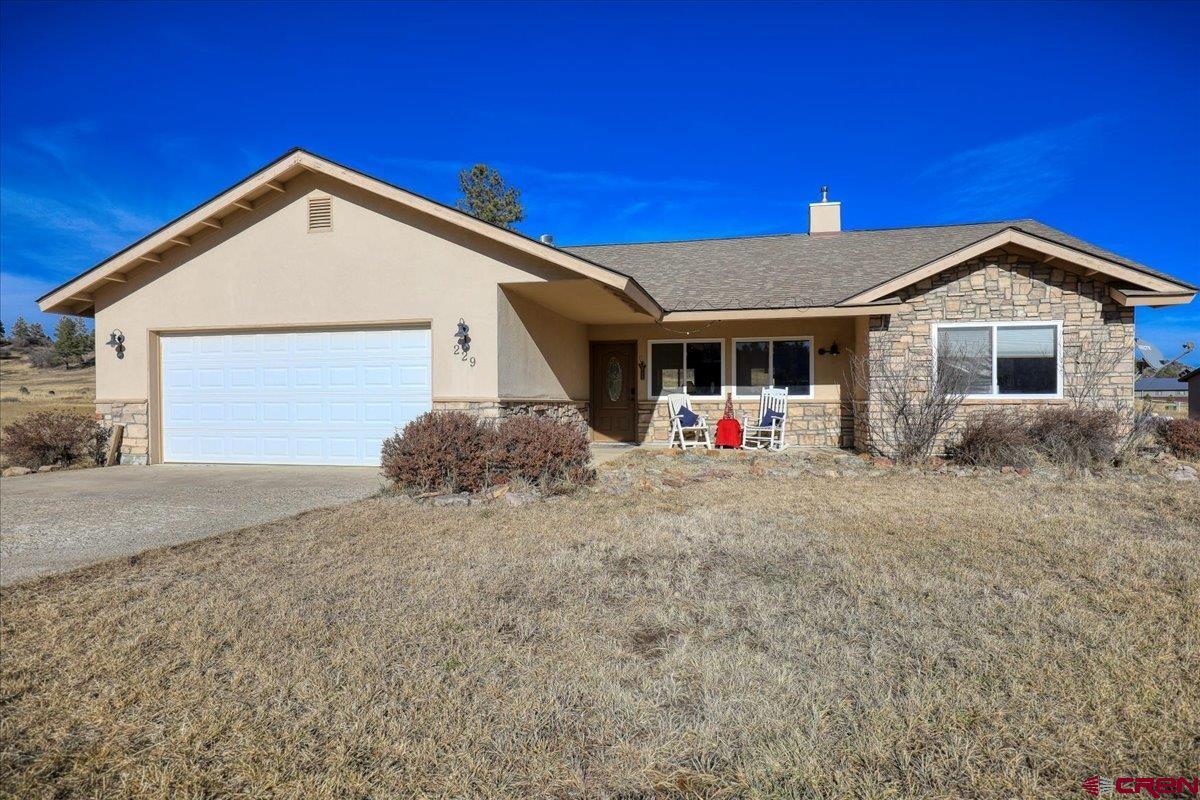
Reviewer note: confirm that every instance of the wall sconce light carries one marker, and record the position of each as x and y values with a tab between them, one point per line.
832	350
463	336
116	340
642	370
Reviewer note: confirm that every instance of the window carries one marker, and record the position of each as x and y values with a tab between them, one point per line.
782	363
695	368
1007	359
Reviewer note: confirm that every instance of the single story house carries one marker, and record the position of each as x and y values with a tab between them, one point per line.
1162	395
1172	388
303	314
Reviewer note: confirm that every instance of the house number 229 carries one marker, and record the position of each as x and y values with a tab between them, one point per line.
462	342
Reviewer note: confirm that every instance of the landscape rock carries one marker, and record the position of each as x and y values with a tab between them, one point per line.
451	500
48	468
518	498
10	472
1183	473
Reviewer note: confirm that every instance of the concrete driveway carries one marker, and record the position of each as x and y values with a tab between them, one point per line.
62	520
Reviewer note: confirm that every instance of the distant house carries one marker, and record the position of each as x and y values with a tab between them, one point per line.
1164	395
305	313
1161	387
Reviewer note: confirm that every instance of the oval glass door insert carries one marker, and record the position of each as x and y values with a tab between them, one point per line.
614	379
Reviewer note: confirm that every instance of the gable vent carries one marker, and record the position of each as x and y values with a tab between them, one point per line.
320	214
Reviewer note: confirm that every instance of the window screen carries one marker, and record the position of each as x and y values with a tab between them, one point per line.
1026	360
690	367
753	367
790	364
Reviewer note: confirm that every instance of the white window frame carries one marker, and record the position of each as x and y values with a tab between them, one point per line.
995	325
650	395
812	363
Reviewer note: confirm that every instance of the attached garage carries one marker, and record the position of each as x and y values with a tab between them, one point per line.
300	397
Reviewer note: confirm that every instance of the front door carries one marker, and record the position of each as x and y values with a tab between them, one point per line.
614	391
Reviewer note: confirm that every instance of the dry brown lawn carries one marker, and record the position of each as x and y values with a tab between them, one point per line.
787	634
48	389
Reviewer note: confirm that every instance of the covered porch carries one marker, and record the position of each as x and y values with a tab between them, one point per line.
617	364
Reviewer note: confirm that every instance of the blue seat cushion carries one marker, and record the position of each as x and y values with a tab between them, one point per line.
687	417
769	418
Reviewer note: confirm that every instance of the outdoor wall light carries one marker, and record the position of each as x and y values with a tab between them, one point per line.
462	335
116	340
642	370
832	350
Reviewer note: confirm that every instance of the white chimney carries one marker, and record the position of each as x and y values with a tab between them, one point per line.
825	216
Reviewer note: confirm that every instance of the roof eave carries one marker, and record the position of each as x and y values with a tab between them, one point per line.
1050	251
239	198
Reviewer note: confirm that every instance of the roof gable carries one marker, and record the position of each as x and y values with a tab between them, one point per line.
75	296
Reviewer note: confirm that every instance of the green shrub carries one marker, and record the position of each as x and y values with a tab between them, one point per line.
54	437
1182	438
441	451
994	438
543	451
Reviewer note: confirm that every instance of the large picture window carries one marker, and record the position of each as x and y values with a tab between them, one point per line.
782	363
694	368
1002	359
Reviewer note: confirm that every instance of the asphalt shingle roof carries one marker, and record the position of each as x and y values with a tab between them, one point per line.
798	270
1160	385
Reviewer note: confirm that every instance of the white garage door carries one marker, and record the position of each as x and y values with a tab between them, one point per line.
322	397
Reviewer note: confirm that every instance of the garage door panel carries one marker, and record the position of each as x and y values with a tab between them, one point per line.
305	397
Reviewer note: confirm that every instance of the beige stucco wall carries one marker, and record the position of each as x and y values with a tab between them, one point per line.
380	263
543	355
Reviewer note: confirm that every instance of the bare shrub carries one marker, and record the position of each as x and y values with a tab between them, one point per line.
43	357
100	436
1076	438
910	406
440	450
52	437
1093	367
1137	428
1182	438
994	438
543	451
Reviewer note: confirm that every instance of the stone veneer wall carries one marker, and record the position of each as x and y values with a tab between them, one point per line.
1005	287
135	416
575	411
809	424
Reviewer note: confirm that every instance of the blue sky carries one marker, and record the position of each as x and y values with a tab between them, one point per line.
620	122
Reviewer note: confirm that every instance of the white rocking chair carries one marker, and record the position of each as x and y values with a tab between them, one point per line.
675	402
757	435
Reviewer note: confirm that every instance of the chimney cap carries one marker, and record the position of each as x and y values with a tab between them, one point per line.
824	194
547	238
